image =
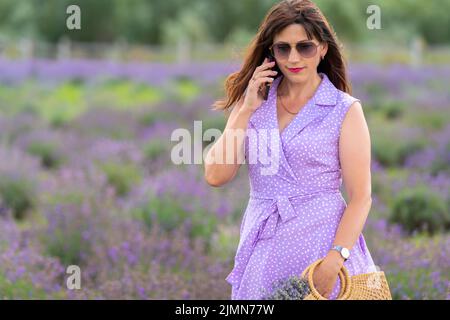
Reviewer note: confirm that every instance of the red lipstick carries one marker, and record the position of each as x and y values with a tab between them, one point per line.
295	70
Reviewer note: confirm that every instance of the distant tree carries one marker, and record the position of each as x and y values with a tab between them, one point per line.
157	21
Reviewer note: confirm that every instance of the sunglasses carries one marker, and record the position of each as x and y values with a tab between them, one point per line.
281	50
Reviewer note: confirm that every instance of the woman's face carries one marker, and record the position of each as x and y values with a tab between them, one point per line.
291	35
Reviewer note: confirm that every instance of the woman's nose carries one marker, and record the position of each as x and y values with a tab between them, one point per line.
294	57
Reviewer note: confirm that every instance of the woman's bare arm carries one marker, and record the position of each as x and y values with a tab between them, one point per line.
216	173
225	156
354	150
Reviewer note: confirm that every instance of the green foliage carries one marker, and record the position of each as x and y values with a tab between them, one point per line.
62	104
67	244
390	153
217	122
154	149
429	120
346	17
123	94
183	90
17	194
170	214
72	197
121	175
393	109
404	284
430	19
421	210
389	109
153	116
163	21
20	289
48	152
440	164
225	241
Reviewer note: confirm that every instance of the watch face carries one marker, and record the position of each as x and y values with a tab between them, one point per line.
345	253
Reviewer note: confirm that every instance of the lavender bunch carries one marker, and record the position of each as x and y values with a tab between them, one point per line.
291	288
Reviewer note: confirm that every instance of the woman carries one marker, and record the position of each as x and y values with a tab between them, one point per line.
297	215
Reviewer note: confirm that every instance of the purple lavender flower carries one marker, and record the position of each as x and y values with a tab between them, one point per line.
291	288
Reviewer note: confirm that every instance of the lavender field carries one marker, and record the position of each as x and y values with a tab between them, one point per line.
86	179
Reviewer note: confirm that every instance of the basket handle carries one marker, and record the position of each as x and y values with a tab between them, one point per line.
343	276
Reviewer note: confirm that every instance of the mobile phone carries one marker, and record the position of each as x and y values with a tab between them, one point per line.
268	85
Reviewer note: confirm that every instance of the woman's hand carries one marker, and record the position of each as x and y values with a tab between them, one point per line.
262	74
326	273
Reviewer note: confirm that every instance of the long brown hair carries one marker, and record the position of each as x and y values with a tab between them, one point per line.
281	15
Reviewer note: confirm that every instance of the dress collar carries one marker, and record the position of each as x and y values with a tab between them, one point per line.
325	95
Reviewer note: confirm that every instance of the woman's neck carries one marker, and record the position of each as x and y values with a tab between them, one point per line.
299	91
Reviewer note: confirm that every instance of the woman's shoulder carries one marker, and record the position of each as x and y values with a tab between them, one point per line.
344	103
346	100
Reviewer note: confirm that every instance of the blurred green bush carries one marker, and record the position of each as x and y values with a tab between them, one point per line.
419	209
162	21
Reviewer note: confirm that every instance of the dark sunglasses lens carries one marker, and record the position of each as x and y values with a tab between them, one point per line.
307	50
281	51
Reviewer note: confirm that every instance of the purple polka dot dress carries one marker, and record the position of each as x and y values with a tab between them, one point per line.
295	202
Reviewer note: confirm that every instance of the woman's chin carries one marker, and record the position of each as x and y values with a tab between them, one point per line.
297	78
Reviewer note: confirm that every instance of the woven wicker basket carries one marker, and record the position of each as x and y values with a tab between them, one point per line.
367	286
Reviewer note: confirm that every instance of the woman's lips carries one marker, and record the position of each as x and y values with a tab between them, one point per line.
295	70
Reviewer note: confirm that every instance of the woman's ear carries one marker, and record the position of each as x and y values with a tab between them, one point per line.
324	50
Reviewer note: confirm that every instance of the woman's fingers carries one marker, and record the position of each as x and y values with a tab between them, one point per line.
324	292
265	73
260	81
262	73
265	66
320	285
263	79
260	76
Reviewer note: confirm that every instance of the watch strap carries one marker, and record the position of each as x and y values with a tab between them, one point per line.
339	249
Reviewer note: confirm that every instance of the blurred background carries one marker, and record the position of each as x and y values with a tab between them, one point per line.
86	118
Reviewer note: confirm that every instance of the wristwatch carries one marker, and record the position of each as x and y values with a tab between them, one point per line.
345	253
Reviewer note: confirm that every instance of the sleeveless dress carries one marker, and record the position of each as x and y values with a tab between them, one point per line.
295	204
